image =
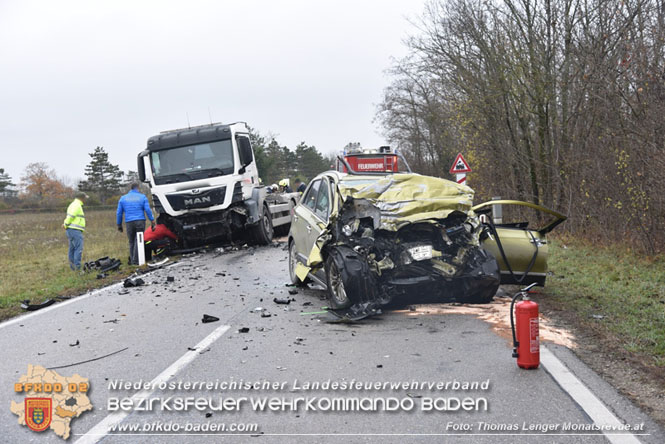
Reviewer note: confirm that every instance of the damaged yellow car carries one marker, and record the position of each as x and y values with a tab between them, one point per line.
369	239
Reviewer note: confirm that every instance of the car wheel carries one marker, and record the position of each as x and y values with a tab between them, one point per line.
263	231
337	295
293	260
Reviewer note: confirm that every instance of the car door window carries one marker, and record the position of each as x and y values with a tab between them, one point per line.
310	198
323	202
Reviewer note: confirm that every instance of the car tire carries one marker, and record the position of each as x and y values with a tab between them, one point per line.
487	266
292	266
337	295
263	231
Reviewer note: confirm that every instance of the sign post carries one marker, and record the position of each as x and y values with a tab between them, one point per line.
460	167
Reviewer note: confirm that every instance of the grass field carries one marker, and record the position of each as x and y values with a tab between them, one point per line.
613	291
33	257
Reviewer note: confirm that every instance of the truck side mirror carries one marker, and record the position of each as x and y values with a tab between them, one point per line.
244	151
140	165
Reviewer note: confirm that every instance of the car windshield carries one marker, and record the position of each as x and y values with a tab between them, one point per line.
193	162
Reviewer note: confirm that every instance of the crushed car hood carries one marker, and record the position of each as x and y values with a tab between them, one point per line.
407	198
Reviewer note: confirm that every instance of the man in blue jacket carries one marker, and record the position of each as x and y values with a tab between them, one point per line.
134	204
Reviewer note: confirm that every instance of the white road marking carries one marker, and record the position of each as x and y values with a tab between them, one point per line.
103	427
589	402
22	318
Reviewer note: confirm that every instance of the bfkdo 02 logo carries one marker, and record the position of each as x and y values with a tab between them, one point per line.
51	401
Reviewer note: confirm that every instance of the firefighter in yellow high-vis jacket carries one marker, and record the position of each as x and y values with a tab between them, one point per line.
74	224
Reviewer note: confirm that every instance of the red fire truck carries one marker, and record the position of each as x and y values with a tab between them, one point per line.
381	160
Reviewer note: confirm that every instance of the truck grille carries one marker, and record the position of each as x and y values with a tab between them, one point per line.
205	199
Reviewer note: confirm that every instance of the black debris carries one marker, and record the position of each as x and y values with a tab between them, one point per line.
281	301
170	279
75	343
265	315
191	349
26	305
207	319
101	275
133	282
243	330
379	366
305	304
293	291
102	264
208	415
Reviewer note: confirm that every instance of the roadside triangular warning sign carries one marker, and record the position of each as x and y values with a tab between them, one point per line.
460	165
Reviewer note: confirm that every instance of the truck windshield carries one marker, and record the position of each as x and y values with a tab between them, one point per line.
192	162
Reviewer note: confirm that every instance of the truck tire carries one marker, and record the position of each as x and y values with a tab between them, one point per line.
263	230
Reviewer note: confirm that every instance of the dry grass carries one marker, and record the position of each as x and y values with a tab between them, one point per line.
33	257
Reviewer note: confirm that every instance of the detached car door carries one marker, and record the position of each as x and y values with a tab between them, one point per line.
520	250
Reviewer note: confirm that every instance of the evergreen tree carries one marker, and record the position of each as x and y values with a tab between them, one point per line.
309	162
103	178
6	185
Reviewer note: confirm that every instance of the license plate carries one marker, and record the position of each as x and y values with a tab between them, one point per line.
421	252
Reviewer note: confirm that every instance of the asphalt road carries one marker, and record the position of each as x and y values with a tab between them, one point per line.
158	326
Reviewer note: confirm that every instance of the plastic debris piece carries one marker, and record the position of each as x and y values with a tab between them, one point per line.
26	305
133	282
281	301
243	330
207	319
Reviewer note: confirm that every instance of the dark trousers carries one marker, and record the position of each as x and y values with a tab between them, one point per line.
133	227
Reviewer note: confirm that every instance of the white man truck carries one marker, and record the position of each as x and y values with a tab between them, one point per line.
205	186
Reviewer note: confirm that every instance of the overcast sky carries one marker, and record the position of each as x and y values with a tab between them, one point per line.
80	74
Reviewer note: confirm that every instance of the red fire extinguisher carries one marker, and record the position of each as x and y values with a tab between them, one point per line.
526	339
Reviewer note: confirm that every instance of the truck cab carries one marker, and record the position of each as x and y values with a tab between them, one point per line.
205	184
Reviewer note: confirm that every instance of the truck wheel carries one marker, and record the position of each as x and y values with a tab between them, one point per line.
292	267
263	230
